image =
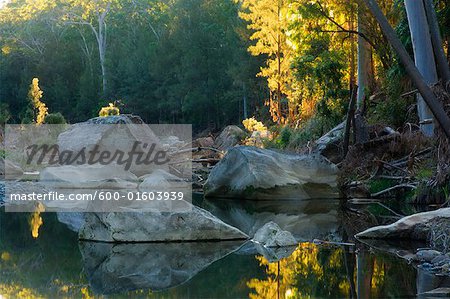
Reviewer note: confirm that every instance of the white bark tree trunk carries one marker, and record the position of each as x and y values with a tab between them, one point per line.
423	57
364	63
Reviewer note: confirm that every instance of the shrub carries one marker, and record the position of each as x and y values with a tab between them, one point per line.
54	119
109	110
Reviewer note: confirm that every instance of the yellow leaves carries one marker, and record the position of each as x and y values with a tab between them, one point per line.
85	293
35	95
5	256
270	24
16	291
36	220
6	50
109	110
252	125
17	10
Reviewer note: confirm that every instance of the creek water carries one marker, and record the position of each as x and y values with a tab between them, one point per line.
40	256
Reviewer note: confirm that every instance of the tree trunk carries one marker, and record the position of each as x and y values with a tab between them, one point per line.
352	80
364	273
418	80
364	62
423	56
436	40
101	42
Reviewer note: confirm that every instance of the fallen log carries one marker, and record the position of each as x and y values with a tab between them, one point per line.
400	186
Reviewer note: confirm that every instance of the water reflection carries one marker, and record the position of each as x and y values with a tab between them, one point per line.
36	220
306	220
119	268
55	265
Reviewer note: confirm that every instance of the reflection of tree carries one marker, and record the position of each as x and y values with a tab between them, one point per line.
309	271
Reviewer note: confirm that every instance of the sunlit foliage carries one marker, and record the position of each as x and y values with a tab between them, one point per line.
252	125
36	220
111	109
269	22
35	96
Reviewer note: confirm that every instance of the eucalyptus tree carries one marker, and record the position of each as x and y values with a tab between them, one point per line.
423	57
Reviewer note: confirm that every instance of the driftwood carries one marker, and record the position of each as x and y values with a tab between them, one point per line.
409	93
400	186
319	242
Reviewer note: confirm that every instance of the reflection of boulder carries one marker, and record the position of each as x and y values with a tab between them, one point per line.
306	220
88	176
118	268
274	254
254	173
180	221
416	226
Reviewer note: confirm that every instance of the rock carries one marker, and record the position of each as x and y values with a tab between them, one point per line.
9	170
441	259
120	268
73	220
436	293
416	226
183	223
117	119
100	132
253	173
427	255
203	142
88	177
271	235
329	145
172	143
229	137
160	180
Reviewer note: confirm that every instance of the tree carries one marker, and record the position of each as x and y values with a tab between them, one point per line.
423	56
427	94
270	25
92	14
40	110
364	60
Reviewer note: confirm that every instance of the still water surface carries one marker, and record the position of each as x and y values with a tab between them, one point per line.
41	257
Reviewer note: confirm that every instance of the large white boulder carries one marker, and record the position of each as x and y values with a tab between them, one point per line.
255	173
88	177
416	226
112	134
271	235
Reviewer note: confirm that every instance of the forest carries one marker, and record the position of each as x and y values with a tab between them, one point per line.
320	142
208	62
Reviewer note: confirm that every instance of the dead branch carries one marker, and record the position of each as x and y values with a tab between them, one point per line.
400	186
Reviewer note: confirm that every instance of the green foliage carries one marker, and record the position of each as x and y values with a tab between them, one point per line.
377	185
312	129
5	115
55	119
175	61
